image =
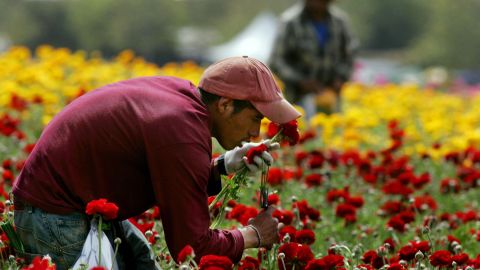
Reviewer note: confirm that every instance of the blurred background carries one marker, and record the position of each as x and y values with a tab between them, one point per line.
408	40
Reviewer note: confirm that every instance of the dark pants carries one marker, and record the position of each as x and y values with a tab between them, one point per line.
62	238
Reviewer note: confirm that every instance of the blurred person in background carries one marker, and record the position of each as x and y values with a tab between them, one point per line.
147	142
313	53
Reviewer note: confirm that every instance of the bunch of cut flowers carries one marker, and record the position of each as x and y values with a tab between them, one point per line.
279	133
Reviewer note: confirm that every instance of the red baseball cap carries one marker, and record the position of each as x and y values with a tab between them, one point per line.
246	78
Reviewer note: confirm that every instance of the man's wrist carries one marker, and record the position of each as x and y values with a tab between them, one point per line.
250	237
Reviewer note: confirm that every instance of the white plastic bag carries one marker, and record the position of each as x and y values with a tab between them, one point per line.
89	255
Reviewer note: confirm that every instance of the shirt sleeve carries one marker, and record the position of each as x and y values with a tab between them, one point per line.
180	175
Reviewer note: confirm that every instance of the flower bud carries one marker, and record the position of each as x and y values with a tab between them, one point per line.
281	255
419	256
294	199
10	214
468	268
457	248
117	241
11	258
184	267
148	234
8	203
454	264
286	238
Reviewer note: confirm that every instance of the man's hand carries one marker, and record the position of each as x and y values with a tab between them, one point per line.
262	230
235	159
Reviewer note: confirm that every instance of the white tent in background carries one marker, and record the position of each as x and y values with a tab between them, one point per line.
256	40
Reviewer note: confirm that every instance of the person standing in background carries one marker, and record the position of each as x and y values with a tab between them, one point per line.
313	52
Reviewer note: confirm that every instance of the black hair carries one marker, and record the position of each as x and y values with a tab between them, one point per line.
238	105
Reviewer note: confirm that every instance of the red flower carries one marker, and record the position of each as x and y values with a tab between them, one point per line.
255	151
40	264
273	199
275	176
344	210
355	201
313	180
98	268
460	259
396	266
290	230
331	261
371	257
397	188
290	132
249	263
305	236
407	253
283	216
185	254
396	223
441	258
422	203
215	262
102	207
393	207
242	213
295	255
449	185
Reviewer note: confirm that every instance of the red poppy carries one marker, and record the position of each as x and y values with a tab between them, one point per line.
215	262
396	188
275	176
313	180
407	253
305	236
422	203
393	207
460	259
185	254
255	151
295	255
397	223
284	216
396	266
356	201
101	207
449	185
290	230
249	263
273	199
290	132
328	262
344	210
441	258
40	264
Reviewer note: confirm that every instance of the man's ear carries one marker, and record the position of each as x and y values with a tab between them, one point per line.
225	106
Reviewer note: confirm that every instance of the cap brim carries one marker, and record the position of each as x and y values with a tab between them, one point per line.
279	111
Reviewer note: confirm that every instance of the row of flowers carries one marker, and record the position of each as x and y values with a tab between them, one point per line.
392	183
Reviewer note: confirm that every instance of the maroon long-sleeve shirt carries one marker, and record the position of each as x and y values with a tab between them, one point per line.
137	143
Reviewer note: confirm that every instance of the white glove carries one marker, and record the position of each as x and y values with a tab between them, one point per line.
235	159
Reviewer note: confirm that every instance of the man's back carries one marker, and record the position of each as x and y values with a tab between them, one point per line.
100	145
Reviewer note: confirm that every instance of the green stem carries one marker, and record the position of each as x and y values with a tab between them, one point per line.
99	240
115	255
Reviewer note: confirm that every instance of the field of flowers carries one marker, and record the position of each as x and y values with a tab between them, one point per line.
391	183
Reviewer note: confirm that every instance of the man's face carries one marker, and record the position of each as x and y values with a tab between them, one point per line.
315	7
236	128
